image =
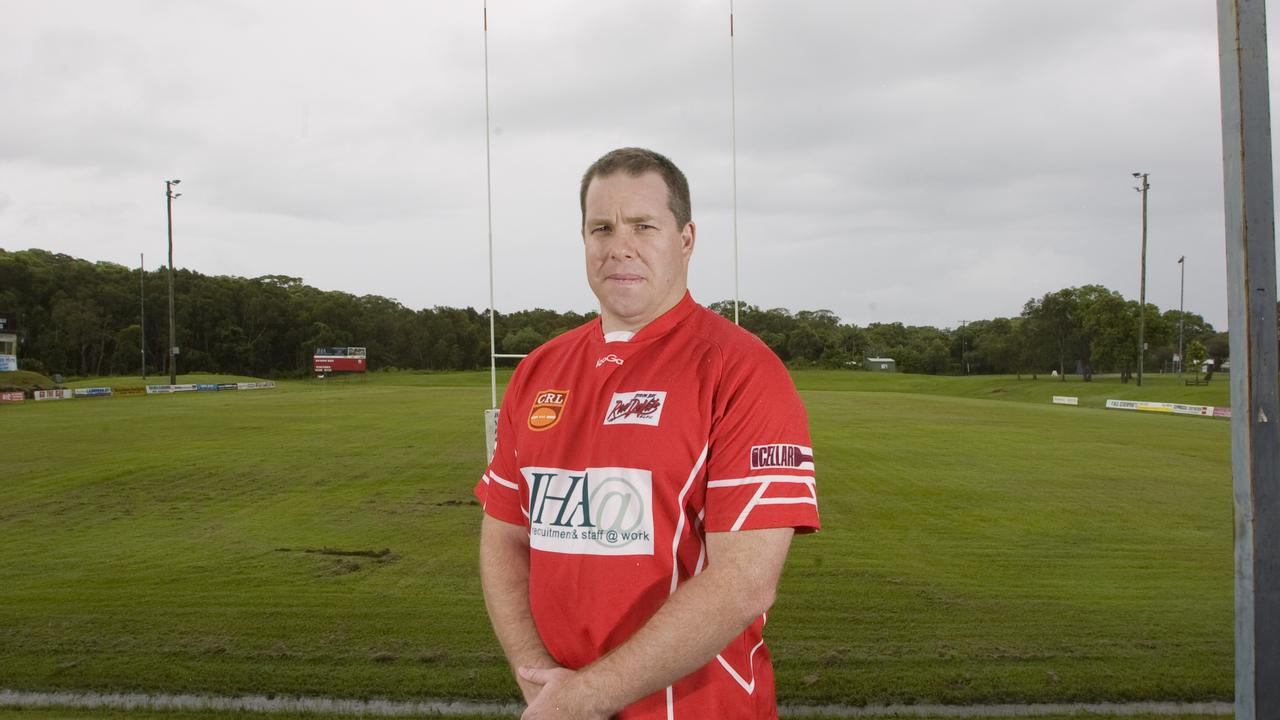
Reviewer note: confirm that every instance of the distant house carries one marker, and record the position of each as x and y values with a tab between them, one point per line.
8	342
875	364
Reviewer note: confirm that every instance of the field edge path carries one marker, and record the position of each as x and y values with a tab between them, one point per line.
394	708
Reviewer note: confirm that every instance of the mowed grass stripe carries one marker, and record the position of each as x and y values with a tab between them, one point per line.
978	552
973	551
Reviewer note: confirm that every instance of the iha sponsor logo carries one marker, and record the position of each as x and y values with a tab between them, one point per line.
595	511
781	456
548	408
639	407
610	358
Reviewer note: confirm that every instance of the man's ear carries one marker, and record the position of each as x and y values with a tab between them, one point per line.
688	236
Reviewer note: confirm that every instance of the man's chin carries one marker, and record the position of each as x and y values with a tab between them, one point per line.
627	313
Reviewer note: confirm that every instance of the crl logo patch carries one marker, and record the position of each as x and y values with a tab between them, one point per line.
548	407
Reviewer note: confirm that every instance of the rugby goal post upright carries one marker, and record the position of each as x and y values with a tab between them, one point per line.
491	413
1251	308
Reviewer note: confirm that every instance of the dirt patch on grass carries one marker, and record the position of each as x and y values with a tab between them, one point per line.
377	554
345	562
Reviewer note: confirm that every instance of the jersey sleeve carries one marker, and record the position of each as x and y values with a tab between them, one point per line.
499	488
760	471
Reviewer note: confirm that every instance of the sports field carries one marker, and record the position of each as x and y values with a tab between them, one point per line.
979	546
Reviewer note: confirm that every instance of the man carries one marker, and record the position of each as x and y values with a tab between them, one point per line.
650	470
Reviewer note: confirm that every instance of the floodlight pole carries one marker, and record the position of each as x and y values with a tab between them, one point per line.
142	309
173	333
1251	305
1142	287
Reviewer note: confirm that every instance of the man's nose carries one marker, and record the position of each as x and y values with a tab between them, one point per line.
623	246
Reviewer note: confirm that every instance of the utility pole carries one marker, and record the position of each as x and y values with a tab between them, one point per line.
142	308
1251	305
1182	291
1142	288
964	362
173	333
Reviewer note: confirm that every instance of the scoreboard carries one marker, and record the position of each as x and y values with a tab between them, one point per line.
328	360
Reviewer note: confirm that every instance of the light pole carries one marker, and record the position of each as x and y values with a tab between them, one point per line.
173	335
1142	288
142	308
1182	287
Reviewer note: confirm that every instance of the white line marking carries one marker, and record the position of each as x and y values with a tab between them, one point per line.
503	483
750	506
394	708
735	482
675	540
788	501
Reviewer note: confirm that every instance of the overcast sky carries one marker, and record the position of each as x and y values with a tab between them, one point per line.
924	162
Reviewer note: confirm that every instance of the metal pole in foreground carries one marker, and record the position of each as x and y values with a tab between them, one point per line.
142	308
173	333
1142	288
1251	305
1182	294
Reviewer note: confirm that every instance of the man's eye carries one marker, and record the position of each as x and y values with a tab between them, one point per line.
642	226
599	229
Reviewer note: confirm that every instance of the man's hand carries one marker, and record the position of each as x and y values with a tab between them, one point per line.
703	615
560	696
504	573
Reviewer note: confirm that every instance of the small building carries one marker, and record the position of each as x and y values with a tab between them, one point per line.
8	342
875	364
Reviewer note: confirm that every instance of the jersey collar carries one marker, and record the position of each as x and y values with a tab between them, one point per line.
660	326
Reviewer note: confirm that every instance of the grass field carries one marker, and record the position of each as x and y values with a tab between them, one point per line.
979	544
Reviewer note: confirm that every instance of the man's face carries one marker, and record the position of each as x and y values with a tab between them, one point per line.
637	257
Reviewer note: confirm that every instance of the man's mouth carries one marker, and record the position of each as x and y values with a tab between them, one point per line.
625	278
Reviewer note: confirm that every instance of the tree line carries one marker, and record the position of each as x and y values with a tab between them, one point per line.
77	317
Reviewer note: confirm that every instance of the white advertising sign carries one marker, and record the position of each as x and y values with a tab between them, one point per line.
594	511
1162	407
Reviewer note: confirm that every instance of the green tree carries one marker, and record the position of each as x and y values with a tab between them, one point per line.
1197	353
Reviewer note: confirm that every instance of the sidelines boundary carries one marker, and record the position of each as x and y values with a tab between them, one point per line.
395	708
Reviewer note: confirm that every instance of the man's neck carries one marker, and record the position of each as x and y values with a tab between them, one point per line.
611	324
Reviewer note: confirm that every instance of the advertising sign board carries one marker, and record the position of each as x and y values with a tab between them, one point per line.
1162	407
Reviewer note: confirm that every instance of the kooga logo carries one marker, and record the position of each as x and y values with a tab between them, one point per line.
593	511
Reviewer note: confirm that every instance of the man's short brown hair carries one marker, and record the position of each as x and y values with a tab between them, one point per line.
636	162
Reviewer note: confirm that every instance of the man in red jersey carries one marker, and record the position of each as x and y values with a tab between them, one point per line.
650	470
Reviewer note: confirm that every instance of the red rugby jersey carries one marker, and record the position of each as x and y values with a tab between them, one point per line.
619	457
